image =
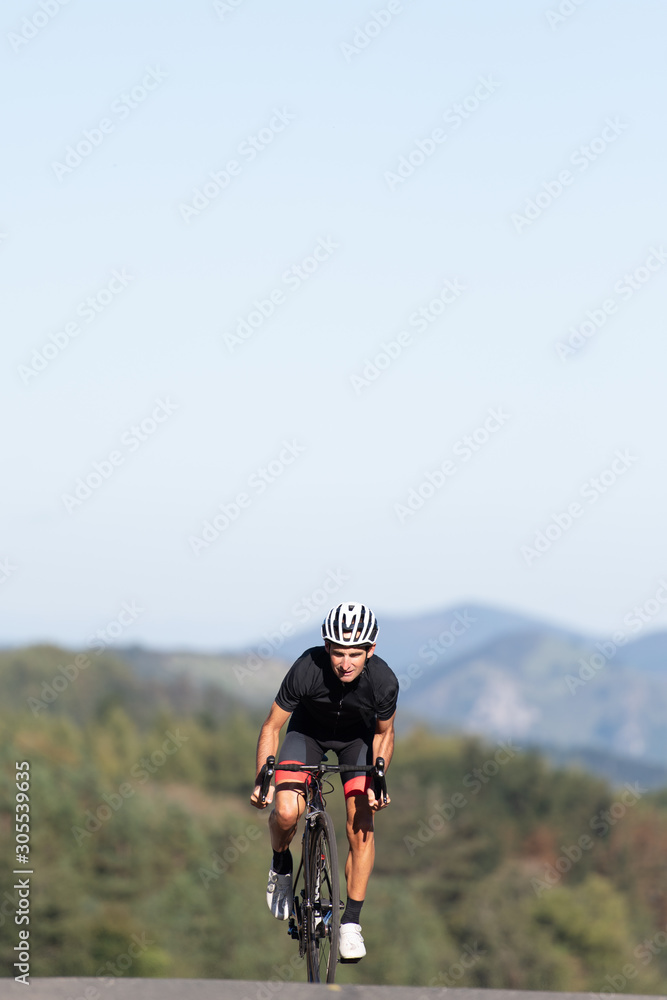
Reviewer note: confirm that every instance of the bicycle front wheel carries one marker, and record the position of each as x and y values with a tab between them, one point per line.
323	915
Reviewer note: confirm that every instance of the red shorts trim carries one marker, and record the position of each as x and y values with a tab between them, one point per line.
291	775
358	785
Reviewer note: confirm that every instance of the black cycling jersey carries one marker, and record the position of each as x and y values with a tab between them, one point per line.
326	708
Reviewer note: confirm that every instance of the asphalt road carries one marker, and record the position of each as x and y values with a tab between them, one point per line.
227	989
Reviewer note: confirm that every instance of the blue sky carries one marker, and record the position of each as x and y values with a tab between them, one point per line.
318	105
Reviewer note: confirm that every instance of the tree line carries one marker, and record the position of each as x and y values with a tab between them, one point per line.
493	868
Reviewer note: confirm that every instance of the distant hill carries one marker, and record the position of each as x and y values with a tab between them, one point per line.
477	669
541	688
242	676
451	632
648	653
617	770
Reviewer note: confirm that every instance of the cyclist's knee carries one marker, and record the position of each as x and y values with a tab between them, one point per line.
286	811
360	836
286	818
360	823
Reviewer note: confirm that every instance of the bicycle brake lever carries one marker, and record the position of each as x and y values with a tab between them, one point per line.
266	774
380	781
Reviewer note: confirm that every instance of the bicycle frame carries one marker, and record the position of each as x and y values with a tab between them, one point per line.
314	922
315	804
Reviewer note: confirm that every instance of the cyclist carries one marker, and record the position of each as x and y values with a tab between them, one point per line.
340	697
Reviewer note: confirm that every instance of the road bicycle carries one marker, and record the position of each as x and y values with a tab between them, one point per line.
315	918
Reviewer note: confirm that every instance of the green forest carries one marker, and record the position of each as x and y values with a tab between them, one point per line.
493	868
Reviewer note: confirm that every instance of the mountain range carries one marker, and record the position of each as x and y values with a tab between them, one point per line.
483	670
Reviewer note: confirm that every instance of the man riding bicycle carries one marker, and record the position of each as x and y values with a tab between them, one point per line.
340	697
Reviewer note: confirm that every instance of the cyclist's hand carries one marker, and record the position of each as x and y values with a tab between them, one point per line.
255	798
376	804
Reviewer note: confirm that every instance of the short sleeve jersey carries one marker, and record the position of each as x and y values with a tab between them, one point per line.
326	707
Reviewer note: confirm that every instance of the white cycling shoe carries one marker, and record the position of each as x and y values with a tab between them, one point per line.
279	895
351	943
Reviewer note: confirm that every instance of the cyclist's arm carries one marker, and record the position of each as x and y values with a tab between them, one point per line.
267	744
383	741
383	746
269	735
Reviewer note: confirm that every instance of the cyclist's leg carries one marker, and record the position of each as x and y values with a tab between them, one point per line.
361	839
290	797
359	825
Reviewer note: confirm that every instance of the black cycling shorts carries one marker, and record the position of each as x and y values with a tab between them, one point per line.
299	748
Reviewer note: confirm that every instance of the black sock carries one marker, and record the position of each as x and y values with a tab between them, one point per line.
352	911
282	862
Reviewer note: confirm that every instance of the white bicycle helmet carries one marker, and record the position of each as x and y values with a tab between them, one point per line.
350	624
